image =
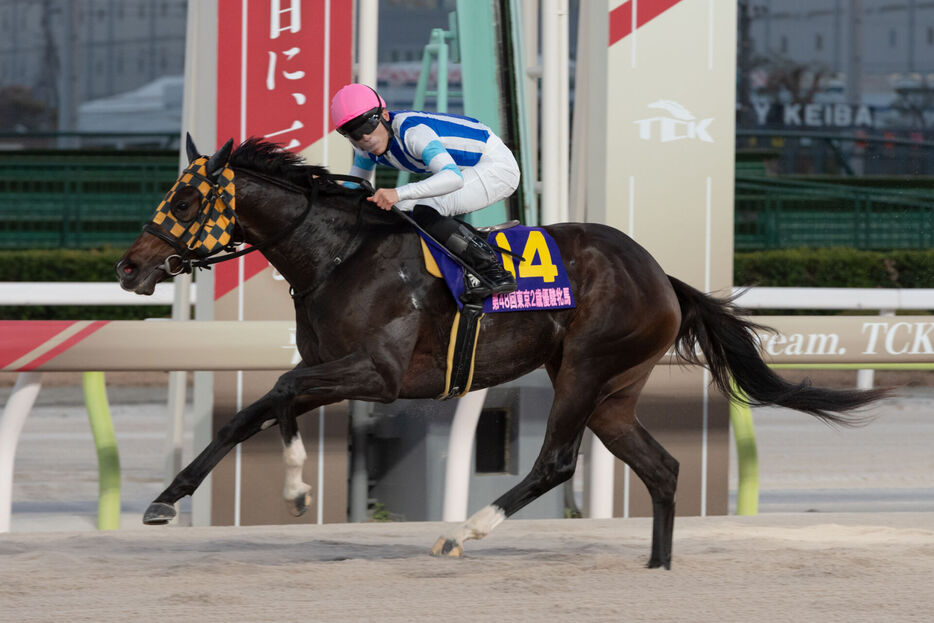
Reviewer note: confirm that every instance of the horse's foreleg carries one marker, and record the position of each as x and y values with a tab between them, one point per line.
555	464
614	422
354	376
296	492
241	427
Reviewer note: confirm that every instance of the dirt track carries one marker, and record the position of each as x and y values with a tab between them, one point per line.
802	567
872	565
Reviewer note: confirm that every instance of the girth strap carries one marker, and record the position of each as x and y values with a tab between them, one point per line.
461	351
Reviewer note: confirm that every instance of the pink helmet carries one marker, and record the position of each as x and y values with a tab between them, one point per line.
352	101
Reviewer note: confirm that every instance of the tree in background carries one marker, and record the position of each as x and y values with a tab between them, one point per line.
914	101
796	82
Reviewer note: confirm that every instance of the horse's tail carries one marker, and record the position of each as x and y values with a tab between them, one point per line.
730	348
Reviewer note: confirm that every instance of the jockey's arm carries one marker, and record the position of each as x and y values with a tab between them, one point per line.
445	177
362	167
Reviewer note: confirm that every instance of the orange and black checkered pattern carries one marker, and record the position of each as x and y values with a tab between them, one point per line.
213	230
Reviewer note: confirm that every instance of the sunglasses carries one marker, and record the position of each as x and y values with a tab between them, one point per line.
355	129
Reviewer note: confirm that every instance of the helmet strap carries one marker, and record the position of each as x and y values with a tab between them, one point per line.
388	127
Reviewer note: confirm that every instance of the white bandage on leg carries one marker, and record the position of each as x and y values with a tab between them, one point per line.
293	455
480	524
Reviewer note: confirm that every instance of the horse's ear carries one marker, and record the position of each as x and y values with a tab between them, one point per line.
190	148
218	160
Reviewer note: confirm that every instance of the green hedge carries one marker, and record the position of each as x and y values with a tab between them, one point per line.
69	265
832	267
835	267
59	264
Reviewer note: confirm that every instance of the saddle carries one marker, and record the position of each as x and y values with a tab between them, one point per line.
465	327
489	229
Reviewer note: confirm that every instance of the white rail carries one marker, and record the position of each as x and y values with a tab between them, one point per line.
885	300
881	299
76	293
106	293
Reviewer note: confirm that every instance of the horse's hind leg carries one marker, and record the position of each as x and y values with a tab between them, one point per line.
615	423
555	464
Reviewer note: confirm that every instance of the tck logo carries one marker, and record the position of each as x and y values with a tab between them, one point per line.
679	126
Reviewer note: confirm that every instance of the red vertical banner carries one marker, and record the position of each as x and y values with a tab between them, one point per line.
274	69
340	53
279	63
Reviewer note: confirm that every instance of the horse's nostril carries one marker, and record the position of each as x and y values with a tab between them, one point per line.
125	269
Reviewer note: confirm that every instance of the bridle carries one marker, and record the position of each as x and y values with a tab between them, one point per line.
213	230
200	243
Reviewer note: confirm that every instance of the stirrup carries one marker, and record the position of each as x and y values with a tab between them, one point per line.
476	291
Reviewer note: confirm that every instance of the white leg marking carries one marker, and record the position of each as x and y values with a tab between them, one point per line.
480	524
293	455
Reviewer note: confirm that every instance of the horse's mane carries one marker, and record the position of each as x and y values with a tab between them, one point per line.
262	156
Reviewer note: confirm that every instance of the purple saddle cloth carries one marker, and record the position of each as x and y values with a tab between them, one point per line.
541	278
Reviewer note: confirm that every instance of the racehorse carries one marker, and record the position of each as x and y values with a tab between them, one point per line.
373	325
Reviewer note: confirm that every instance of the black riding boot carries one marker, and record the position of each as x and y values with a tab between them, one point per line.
470	247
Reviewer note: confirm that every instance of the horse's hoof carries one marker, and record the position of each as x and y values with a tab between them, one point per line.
658	564
299	504
447	547
158	514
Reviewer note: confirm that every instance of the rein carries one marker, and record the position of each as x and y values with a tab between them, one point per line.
298	295
310	197
315	185
344	250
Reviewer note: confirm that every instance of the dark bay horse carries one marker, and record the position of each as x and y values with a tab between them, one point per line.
373	325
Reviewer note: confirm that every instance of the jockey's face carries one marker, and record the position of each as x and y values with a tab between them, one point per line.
377	142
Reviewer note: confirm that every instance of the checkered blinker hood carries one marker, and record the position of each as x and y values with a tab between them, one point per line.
212	228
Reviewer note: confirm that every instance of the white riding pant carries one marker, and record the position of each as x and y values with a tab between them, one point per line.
494	178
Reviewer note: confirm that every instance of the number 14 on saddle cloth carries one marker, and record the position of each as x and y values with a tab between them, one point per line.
541	278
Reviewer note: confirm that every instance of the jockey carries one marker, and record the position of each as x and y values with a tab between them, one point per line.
470	167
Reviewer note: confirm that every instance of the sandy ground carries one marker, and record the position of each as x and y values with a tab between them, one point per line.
798	567
845	533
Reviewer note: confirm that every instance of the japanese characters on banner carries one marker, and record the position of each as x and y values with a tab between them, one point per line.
279	64
288	81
